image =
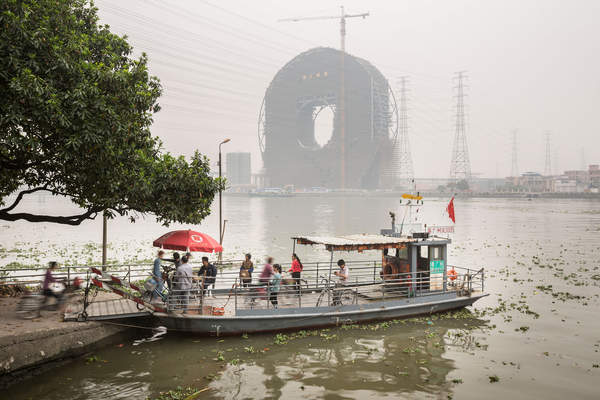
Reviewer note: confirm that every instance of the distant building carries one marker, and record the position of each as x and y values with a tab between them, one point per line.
530	182
580	176
594	176
238	169
563	184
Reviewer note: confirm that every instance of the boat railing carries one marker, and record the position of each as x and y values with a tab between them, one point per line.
470	280
137	272
360	289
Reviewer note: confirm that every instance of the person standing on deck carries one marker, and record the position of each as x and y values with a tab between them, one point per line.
246	270
183	283
343	276
296	270
267	272
176	260
274	285
208	273
157	273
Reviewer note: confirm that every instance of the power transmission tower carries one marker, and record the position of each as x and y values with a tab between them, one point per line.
403	158
460	167
548	163
514	171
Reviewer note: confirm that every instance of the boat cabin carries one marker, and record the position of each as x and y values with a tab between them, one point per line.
409	264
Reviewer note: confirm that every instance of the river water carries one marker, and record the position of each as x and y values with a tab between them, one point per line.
536	336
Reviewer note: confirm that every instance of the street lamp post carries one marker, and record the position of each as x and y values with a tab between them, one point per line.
220	197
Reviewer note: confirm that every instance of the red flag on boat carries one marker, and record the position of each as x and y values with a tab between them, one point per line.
450	210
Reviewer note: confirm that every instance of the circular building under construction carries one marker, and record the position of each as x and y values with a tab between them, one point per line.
359	153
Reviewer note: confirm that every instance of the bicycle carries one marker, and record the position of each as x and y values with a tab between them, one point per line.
150	291
340	295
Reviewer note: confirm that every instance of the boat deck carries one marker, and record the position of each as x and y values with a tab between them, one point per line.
286	299
247	301
106	309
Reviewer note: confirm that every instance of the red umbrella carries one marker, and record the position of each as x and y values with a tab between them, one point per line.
188	240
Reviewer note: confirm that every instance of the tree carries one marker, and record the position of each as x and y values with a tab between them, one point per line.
75	116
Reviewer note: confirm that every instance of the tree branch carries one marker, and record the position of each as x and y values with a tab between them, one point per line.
67	220
20	197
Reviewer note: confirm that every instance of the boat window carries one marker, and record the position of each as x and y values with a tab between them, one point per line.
435	253
402	253
424	251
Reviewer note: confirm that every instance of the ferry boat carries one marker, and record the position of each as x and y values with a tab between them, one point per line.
410	277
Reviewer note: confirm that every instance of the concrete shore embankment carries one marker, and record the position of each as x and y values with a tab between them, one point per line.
28	346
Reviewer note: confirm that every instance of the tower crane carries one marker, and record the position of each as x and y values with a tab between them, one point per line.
342	17
342	115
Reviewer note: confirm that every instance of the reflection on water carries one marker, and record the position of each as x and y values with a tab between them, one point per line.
377	359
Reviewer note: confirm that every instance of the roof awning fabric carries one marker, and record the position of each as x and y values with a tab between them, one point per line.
355	242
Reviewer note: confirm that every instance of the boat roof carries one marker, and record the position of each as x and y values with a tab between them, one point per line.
356	242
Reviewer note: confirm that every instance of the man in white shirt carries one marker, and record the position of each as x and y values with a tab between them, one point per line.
343	276
343	273
183	283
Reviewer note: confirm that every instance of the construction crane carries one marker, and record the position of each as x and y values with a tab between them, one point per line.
342	115
342	17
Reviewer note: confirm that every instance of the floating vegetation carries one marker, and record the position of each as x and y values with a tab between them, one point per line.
179	393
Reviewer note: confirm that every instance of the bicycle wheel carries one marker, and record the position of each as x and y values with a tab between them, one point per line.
347	297
146	296
29	307
320	298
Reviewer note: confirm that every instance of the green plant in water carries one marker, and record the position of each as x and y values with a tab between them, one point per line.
179	393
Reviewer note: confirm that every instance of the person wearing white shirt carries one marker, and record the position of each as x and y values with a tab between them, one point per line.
343	276
343	273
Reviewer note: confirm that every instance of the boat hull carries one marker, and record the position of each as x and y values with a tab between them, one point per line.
282	320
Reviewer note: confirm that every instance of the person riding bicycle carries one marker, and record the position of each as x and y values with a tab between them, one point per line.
49	279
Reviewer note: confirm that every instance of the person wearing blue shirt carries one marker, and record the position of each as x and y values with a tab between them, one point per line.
274	285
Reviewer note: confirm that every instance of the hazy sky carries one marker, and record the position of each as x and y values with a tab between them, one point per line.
533	66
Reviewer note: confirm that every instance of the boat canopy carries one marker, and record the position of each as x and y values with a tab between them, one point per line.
356	242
